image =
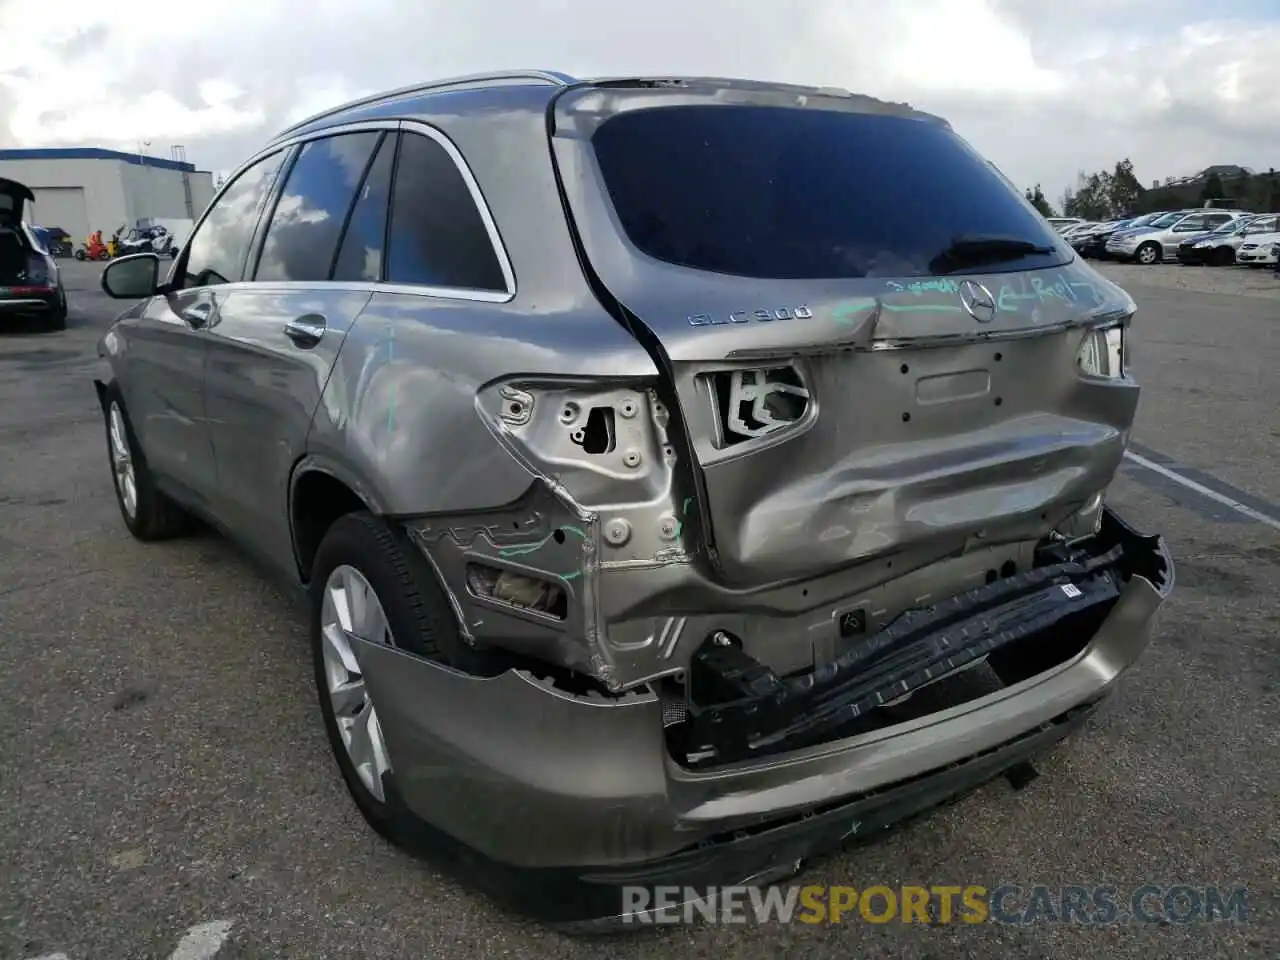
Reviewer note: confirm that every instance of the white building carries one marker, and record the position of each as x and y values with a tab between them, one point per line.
82	189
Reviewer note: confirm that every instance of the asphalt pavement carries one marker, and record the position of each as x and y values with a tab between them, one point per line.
165	784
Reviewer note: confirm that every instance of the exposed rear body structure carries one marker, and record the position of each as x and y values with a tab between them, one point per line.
714	504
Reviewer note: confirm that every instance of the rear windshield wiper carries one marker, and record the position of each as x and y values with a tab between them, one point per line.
970	249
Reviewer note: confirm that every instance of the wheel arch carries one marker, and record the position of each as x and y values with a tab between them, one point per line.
321	491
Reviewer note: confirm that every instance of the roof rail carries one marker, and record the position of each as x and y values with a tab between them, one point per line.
546	76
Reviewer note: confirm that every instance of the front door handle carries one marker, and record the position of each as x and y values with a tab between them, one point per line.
305	331
197	314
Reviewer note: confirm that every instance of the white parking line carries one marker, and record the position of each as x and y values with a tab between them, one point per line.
1236	505
203	941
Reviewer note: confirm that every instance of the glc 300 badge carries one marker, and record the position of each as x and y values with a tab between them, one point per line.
800	312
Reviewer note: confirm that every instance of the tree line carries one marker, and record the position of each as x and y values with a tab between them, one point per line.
1116	193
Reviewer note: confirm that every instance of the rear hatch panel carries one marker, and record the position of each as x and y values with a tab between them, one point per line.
916	407
14	197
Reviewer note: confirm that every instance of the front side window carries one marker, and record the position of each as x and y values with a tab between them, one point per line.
799	193
218	249
438	237
302	238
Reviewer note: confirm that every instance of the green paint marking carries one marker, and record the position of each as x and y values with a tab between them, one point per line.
687	501
922	308
571	576
525	549
391	403
679	527
847	311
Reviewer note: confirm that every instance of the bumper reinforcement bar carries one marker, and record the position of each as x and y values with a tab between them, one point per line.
772	714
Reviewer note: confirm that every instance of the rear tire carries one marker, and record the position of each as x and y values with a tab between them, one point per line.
57	319
147	512
364	554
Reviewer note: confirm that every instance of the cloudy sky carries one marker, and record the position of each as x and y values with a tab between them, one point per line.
1043	89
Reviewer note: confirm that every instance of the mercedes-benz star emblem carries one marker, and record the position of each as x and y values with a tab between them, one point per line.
978	301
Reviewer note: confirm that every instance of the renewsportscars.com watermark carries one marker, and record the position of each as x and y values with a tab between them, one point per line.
1006	903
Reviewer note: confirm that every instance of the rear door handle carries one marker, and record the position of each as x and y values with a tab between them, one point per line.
305	331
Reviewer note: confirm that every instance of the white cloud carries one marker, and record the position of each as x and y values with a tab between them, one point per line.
1043	90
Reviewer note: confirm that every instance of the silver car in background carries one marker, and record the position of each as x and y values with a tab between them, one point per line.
669	512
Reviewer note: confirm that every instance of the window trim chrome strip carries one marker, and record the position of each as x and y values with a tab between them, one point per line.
473	187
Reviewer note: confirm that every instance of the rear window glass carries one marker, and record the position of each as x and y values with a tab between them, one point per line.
775	192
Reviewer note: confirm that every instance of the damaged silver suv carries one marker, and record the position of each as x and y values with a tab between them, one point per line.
686	475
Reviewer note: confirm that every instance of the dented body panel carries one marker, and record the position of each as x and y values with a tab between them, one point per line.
673	500
597	778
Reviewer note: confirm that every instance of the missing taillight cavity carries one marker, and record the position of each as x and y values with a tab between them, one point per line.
517	590
756	403
596	436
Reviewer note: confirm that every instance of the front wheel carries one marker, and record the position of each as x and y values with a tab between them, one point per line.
147	512
1148	253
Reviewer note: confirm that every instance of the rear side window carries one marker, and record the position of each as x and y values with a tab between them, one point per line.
360	256
302	238
221	243
437	236
775	192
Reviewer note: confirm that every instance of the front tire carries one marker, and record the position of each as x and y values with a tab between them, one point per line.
370	583
147	512
1148	253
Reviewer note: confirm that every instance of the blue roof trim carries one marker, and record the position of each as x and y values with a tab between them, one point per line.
95	153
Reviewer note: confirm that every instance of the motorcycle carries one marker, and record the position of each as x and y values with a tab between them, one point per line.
93	248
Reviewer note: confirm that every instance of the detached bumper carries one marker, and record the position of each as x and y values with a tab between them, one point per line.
552	801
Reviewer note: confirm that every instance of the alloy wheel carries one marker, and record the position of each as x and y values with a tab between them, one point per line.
1147	255
122	461
351	610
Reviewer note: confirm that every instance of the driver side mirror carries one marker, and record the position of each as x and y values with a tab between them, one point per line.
134	277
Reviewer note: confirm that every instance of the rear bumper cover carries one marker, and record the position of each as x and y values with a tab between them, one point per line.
29	303
555	799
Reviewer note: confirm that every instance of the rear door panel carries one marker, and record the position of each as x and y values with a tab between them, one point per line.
277	338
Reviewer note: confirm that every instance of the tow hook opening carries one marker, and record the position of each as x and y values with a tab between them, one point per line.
733	708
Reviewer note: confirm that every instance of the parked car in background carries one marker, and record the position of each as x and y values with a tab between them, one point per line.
1076	228
1258	250
1159	240
628	562
59	242
1219	248
1061	223
1092	243
30	281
